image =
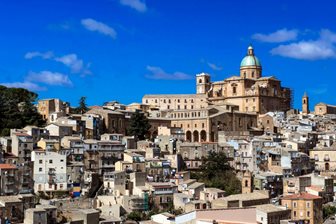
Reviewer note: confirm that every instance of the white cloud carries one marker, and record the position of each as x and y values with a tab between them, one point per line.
34	54
72	61
94	25
138	5
214	67
50	78
159	73
26	85
278	36
322	48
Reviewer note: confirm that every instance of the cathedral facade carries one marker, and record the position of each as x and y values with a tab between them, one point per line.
230	105
250	91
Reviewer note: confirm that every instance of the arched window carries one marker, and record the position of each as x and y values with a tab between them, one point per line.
252	74
200	81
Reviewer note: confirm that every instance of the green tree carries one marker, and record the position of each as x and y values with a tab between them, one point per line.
138	125
135	216
328	210
216	171
17	109
82	107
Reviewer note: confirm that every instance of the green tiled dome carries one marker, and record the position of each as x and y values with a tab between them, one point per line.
250	59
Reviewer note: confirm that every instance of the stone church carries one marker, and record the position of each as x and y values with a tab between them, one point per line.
228	105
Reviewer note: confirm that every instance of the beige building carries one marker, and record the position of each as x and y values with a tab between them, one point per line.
48	106
323	109
249	91
228	105
325	159
305	207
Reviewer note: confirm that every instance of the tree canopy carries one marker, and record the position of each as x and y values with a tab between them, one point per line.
17	109
138	125
82	107
216	171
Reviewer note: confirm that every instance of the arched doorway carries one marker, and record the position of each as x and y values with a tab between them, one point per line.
203	136
188	136
154	134
196	136
326	166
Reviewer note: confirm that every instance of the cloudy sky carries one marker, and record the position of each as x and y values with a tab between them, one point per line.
122	49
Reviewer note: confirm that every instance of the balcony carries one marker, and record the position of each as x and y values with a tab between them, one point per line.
51	181
9	191
52	172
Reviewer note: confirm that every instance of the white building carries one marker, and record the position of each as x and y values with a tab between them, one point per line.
49	171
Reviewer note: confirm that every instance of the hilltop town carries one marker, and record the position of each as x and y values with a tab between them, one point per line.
236	151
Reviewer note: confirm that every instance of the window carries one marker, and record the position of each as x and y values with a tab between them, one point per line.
178	100
40	169
50	161
185	106
234	90
62	160
40	161
308	213
178	107
294	204
294	213
246	100
168	107
192	107
308	205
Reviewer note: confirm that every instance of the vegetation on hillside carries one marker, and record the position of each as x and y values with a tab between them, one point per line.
17	109
216	171
138	126
82	106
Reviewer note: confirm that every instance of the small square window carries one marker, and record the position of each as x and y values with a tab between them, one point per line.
40	169
50	161
40	161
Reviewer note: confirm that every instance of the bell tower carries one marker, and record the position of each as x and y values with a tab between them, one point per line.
202	83
247	182
305	104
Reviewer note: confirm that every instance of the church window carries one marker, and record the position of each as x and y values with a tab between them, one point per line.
164	100
181	125
246	183
234	89
169	101
192	100
252	74
178	100
146	101
200	81
195	125
202	125
188	126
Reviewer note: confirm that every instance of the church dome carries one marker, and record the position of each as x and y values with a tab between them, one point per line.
250	59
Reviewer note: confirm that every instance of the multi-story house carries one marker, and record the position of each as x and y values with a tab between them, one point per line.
9	184
162	194
305	207
50	171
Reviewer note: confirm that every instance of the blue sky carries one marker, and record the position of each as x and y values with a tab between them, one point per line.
122	49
